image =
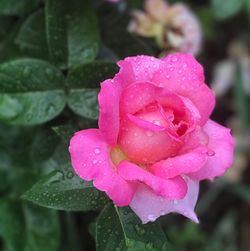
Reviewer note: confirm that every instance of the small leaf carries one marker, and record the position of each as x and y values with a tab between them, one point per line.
83	35
17	7
56	31
84	83
226	9
121	230
31	92
64	190
31	37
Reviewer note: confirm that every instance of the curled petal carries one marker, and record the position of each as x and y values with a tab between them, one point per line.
182	75
90	157
143	67
148	206
221	145
143	145
138	95
109	99
175	188
181	164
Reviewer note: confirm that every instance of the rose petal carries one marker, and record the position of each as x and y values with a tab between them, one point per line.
90	157
146	144
181	164
148	206
168	188
143	67
183	75
222	147
109	99
138	95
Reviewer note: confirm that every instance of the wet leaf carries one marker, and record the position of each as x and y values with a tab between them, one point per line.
83	34
56	31
64	190
121	230
31	92
31	37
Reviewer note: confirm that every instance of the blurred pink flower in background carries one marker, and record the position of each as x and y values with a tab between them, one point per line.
155	140
174	27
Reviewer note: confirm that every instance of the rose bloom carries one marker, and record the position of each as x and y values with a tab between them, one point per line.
155	140
174	27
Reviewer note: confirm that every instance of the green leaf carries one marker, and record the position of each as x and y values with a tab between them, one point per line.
11	224
26	227
56	31
44	144
17	7
121	230
226	9
31	37
84	83
42	228
30	92
66	191
83	35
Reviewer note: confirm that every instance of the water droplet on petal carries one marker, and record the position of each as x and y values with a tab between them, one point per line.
97	151
151	217
94	161
174	59
156	122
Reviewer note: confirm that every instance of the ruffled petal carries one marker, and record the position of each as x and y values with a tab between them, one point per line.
183	75
143	143
175	188
181	164
148	206
221	156
142	67
90	157
109	99
138	95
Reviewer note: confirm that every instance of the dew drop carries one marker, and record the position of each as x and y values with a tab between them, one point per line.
97	151
156	122
94	161
174	59
151	217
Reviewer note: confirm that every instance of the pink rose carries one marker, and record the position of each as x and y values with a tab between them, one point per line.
155	141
